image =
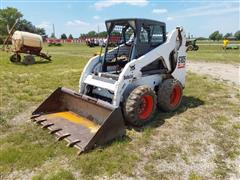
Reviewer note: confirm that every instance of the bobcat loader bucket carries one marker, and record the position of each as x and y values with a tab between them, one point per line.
82	121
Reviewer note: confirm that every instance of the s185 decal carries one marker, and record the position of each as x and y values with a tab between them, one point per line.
181	61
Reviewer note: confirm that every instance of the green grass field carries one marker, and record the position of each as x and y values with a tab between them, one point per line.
215	53
220	42
201	139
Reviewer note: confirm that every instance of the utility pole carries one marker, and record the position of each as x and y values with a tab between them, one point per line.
54	31
98	30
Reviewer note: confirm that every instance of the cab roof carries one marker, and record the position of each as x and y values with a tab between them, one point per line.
137	20
136	23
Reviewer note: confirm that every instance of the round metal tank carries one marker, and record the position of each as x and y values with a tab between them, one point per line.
22	39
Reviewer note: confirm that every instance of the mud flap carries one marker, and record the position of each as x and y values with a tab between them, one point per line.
82	121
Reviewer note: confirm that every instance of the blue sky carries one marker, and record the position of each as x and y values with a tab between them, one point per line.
199	18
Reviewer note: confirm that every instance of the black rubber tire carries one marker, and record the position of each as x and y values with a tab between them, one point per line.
15	58
28	60
190	48
133	104
196	48
165	91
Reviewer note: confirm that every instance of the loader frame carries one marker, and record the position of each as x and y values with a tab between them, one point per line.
113	87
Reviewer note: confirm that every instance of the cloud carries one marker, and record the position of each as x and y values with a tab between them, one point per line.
159	11
209	10
96	17
108	3
77	23
44	24
169	18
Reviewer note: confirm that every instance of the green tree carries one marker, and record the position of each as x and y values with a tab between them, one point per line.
219	37
82	35
215	36
115	33
70	36
63	36
102	34
91	33
8	17
237	35
202	38
27	26
40	31
227	35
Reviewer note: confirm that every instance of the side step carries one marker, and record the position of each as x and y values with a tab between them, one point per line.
101	82
82	121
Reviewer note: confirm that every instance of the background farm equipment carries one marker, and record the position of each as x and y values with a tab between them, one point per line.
26	43
112	41
91	42
232	46
191	45
54	42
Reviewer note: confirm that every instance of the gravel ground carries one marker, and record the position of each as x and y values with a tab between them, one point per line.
219	71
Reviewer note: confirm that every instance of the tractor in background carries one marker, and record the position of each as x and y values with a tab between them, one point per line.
192	45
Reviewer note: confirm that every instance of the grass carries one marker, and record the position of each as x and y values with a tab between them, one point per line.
194	176
215	53
23	86
167	153
60	175
216	42
27	148
171	138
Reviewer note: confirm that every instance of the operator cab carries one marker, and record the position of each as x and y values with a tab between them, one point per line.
129	39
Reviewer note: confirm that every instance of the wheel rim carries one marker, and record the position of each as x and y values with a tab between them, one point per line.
146	107
175	95
15	58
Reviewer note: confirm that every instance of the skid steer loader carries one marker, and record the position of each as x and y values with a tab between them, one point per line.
123	85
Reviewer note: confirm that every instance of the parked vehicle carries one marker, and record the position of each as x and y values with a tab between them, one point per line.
191	45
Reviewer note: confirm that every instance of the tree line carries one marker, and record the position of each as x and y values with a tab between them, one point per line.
216	35
90	34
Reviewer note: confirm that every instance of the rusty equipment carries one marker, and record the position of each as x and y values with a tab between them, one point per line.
26	43
82	121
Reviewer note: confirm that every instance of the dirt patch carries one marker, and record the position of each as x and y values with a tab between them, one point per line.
219	71
22	117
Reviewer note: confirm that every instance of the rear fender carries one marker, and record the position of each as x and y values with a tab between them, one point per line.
179	72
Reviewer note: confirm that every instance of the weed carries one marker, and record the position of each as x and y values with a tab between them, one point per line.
60	175
221	170
185	158
167	153
194	176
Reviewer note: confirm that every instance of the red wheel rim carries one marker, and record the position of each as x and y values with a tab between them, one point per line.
146	107
175	96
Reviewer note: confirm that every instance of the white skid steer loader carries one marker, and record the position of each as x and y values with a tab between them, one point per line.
123	85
